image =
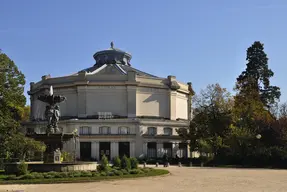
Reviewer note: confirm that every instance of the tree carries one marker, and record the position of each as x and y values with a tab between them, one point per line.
211	119
255	96
12	108
256	76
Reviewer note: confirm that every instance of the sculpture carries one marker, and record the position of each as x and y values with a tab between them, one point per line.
52	112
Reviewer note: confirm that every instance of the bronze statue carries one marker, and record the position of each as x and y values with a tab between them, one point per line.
52	112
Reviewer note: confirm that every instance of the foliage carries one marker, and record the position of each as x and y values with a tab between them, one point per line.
125	163
134	163
20	146
22	168
117	162
67	157
104	165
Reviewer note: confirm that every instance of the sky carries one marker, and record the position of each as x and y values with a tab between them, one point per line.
203	42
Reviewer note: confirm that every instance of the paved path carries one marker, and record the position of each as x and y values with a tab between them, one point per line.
181	179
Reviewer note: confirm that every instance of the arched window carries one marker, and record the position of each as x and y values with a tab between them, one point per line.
85	130
124	130
152	130
167	131
105	130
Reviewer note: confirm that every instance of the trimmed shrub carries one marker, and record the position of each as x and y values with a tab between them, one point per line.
22	168
37	175
116	162
103	165
125	163
134	163
111	173
135	171
28	176
145	170
95	174
11	177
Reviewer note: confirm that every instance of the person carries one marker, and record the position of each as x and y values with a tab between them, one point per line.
165	158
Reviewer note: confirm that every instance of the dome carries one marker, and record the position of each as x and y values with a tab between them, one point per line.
112	56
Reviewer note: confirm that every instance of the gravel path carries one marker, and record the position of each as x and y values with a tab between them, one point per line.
181	179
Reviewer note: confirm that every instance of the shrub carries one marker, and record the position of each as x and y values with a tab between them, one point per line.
125	163
111	173
103	165
134	163
116	162
118	173
67	157
86	174
103	174
77	174
146	170
95	174
28	176
124	171
22	168
135	171
11	177
37	175
48	176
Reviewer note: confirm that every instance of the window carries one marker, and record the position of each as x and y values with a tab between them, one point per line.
182	151
167	131
167	147
124	130
85	130
105	130
151	150
152	130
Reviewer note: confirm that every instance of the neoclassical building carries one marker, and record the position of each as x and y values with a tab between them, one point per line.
117	109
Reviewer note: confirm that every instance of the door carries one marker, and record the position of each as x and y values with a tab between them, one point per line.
105	149
85	151
124	149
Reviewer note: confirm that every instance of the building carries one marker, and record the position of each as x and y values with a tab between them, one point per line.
117	109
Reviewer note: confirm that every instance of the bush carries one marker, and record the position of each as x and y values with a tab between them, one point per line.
146	170
28	176
103	165
22	168
67	157
86	174
134	163
37	175
125	163
11	177
103	174
118	173
116	162
124	171
135	171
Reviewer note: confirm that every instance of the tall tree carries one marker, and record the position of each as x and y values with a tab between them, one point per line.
256	76
255	96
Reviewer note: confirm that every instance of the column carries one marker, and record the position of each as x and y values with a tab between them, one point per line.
188	150
174	149
95	150
132	101
78	153
145	149
114	149
132	149
82	101
159	147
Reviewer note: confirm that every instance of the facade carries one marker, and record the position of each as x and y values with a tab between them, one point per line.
117	109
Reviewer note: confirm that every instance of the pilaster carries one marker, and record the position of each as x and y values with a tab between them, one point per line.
82	101
114	149
159	147
172	99
132	149
95	150
131	102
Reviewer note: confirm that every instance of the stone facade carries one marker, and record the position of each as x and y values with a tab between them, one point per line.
117	109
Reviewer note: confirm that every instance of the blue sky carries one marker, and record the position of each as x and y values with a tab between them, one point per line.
203	41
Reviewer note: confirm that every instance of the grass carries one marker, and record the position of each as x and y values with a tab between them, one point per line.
153	172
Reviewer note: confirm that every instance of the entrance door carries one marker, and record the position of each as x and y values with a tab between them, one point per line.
85	151
105	149
124	149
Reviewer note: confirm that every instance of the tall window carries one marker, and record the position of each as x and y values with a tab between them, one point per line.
167	147
152	130
167	131
151	150
124	130
105	130
182	151
85	130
